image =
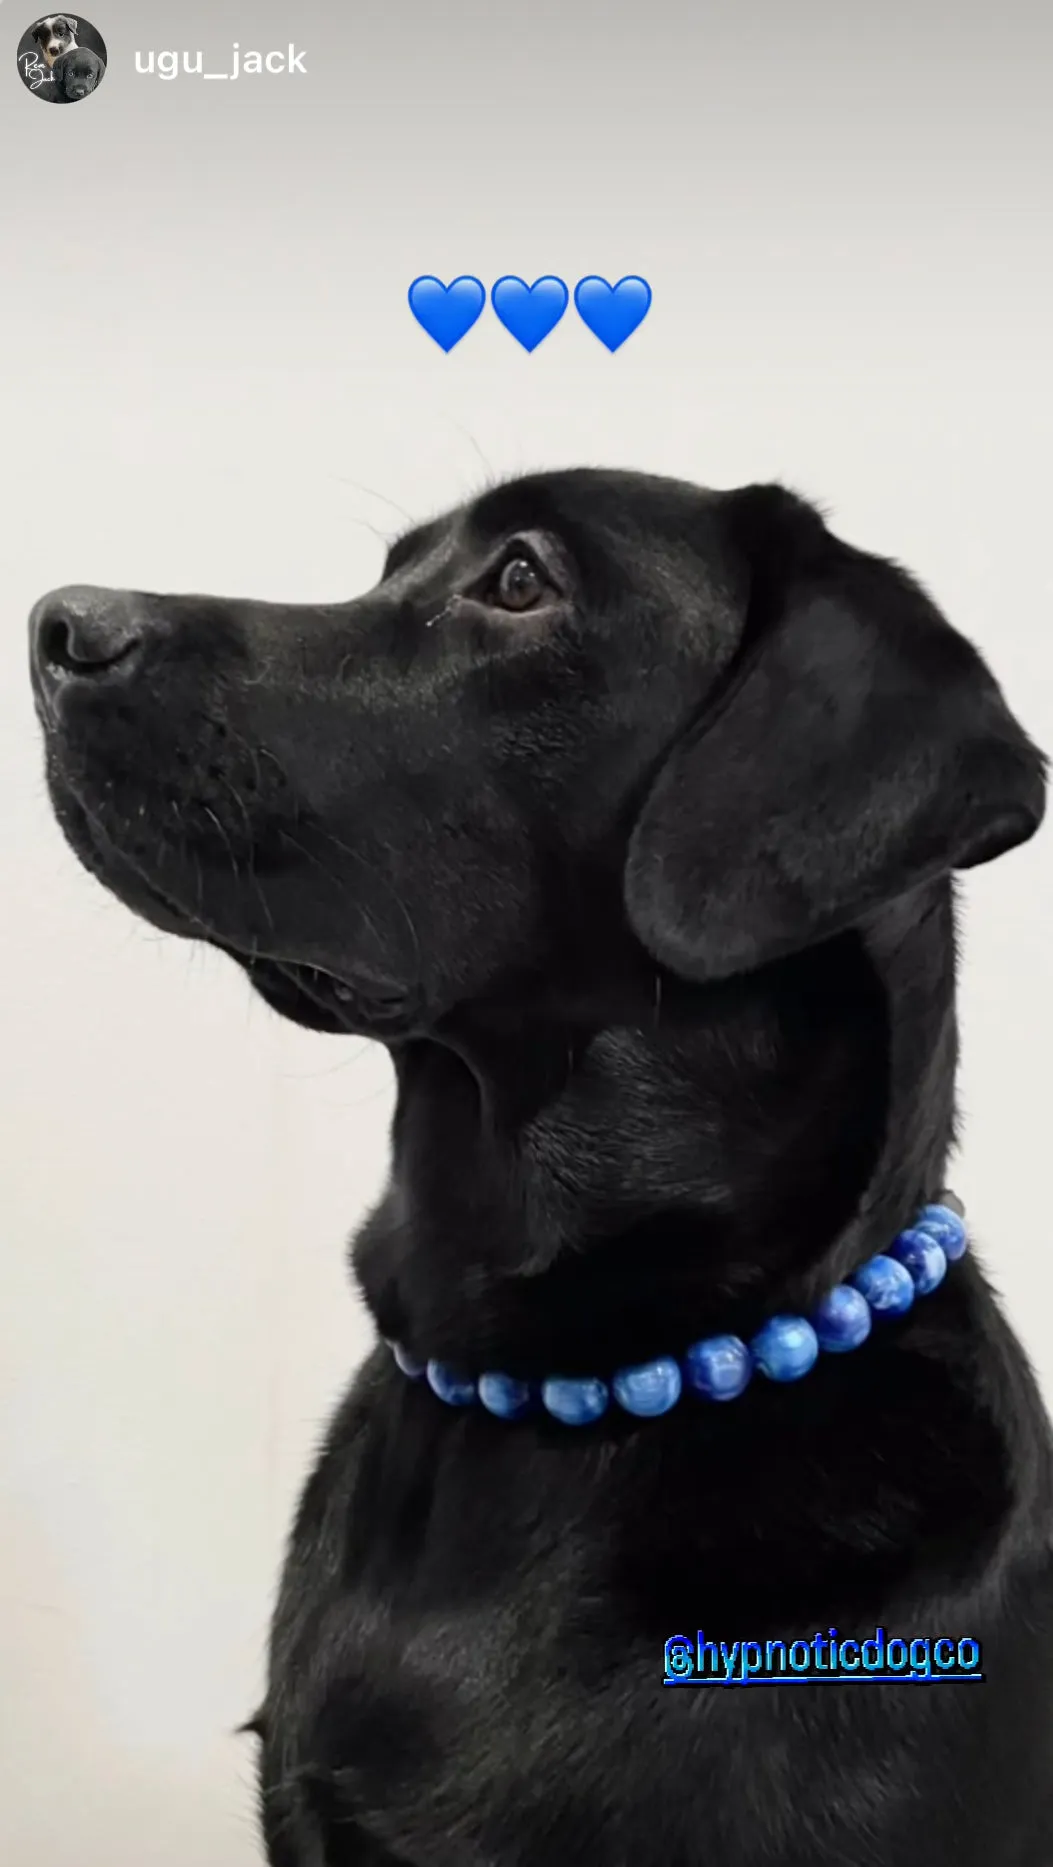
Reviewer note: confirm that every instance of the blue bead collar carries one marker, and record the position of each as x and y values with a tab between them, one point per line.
722	1366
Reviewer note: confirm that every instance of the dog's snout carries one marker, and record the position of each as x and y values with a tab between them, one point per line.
81	633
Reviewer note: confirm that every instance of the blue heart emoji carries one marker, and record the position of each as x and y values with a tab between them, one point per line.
529	311
446	312
612	312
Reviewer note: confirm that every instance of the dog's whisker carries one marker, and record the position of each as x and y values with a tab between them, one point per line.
336	881
376	874
371	493
491	476
212	817
250	851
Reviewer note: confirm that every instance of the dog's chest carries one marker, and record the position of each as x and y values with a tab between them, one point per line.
406	1634
389	1718
453	1679
459	1672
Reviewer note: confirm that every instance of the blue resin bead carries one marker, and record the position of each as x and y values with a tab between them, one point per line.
650	1389
842	1320
946	1227
785	1348
924	1259
407	1362
575	1402
451	1384
887	1285
719	1368
505	1397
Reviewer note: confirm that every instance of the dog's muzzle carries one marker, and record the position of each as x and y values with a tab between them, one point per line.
78	635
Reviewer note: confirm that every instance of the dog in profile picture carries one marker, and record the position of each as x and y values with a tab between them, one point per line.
61	59
75	74
55	36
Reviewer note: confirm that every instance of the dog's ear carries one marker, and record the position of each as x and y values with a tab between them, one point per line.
857	748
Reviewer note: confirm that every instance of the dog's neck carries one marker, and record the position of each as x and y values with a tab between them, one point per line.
705	1156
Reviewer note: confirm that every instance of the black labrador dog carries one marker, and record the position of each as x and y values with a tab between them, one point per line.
77	74
625	814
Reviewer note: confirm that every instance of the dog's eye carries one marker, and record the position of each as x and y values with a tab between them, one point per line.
519	584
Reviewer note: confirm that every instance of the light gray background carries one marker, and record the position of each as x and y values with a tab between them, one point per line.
210	380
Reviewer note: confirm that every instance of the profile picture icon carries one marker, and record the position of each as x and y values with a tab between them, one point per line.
61	58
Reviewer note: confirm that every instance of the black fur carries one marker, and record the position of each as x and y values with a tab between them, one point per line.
648	889
77	74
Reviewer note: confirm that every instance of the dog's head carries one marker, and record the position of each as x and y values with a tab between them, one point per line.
77	73
591	723
55	35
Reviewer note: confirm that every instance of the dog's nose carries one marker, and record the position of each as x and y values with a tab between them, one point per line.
80	634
